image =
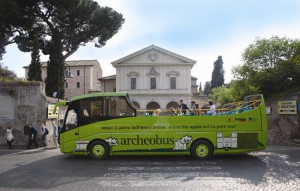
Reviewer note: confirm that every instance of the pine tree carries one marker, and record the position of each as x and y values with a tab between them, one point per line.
55	70
200	88
35	72
207	88
217	78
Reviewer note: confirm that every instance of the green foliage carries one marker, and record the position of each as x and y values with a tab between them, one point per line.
217	78
270	66
240	89
207	88
78	22
200	88
55	71
3	43
222	95
34	72
6	74
14	21
5	27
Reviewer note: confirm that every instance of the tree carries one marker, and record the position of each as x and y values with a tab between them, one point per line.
3	43
217	78
200	88
64	26
55	68
207	88
34	72
222	95
270	66
6	74
13	21
240	89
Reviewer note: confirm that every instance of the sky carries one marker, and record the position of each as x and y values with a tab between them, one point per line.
200	30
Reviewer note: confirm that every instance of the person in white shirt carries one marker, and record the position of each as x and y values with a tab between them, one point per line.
9	137
212	108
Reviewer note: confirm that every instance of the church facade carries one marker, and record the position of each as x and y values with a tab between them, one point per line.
155	78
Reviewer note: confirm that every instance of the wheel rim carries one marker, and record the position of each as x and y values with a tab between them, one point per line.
98	151
202	150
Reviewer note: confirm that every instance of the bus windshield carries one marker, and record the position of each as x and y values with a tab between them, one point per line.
90	110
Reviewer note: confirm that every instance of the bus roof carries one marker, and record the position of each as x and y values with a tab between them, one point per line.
106	94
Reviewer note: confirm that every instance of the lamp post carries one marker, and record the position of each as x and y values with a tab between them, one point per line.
68	73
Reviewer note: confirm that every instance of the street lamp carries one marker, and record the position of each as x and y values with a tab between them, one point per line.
68	74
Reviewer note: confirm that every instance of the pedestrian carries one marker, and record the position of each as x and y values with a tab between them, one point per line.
44	135
212	108
9	137
32	137
182	107
198	110
193	108
156	112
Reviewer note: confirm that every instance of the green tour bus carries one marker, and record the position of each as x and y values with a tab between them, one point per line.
106	124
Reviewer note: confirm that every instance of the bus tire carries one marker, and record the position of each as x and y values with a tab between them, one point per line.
99	150
202	149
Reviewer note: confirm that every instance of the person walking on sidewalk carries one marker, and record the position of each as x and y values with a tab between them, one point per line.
44	135
9	137
32	137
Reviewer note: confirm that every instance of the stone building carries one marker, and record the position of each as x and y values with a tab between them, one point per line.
155	78
81	76
108	83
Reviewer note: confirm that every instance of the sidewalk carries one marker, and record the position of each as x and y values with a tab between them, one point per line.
15	147
21	147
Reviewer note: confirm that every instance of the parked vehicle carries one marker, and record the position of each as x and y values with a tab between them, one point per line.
106	124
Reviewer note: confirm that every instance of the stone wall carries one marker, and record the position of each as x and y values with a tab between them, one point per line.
283	129
23	103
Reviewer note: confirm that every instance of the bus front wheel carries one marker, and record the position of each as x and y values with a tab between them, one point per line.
202	149
99	150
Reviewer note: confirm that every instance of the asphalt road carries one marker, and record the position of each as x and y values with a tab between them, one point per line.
277	168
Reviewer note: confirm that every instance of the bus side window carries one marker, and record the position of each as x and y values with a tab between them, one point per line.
123	108
117	107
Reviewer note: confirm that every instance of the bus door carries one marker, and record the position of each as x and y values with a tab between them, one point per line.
69	134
